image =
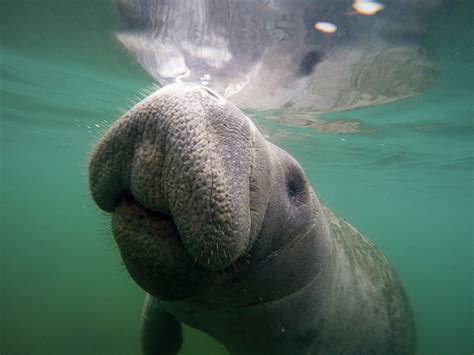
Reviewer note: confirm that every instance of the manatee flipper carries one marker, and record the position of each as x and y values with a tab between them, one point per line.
161	332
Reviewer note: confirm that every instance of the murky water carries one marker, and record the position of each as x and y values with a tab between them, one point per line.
406	181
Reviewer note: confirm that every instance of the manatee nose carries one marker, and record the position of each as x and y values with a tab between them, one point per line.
177	153
129	158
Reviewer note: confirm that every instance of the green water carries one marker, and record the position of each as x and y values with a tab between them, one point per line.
408	185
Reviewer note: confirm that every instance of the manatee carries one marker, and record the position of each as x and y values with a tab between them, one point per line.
268	55
224	233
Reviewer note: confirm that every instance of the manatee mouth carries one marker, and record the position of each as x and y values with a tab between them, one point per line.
153	251
131	216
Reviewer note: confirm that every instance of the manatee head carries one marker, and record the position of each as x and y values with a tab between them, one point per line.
189	180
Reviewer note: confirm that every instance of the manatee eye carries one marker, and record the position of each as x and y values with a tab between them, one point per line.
297	185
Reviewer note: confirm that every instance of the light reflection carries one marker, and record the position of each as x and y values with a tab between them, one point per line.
367	7
325	27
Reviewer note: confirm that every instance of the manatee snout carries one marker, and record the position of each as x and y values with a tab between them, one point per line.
174	171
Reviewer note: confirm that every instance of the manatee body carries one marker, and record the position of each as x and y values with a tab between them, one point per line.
224	233
268	54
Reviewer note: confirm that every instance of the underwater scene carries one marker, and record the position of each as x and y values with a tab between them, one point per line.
373	99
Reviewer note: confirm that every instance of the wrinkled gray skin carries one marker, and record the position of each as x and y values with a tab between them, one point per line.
223	231
266	54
